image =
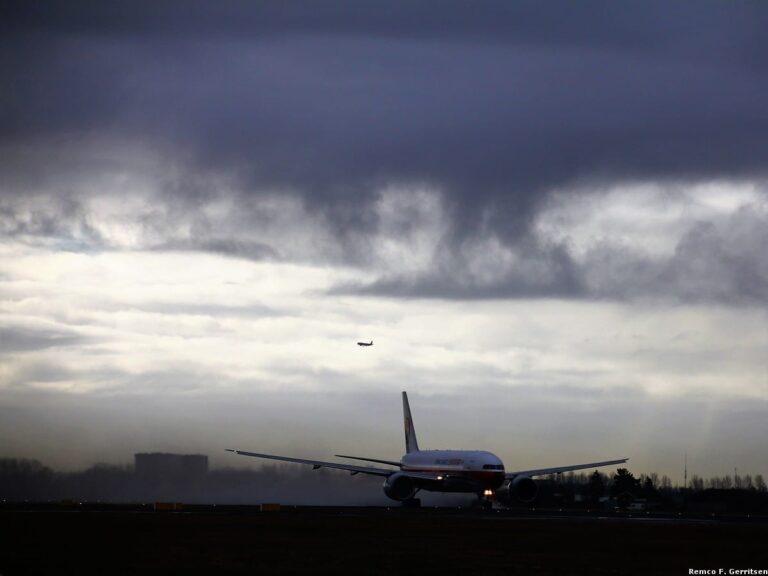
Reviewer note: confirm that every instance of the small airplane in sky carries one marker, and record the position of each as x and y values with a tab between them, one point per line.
469	471
365	343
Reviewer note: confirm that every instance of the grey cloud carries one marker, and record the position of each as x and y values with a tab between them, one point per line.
226	246
719	260
333	113
716	261
39	372
110	381
494	107
251	311
591	22
398	19
55	219
539	272
17	339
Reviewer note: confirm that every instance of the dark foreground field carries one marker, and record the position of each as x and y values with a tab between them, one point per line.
367	542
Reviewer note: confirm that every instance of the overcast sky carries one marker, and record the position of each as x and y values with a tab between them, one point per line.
551	218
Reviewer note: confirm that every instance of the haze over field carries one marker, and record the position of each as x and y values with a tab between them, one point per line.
551	219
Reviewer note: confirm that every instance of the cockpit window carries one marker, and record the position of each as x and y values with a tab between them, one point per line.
493	467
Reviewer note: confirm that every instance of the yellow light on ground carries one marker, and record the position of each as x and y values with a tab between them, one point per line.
488	493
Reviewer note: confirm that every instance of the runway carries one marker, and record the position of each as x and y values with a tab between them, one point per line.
105	539
497	513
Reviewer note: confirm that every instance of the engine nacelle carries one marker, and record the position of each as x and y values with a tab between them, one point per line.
400	487
523	488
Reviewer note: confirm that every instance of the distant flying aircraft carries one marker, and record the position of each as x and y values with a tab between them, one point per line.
365	343
470	471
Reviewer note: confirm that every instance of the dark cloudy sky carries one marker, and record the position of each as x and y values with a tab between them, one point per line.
552	219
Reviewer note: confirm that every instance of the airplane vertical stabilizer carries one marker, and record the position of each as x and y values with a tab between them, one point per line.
411	444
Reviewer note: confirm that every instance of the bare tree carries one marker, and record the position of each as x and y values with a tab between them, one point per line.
697	483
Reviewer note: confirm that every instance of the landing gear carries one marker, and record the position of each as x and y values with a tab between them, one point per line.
484	500
412	503
482	504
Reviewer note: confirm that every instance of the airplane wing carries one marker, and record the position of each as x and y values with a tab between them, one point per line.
319	464
390	462
348	467
561	469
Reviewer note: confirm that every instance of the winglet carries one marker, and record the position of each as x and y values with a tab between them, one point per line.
411	444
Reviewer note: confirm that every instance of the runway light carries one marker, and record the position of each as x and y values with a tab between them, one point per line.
488	493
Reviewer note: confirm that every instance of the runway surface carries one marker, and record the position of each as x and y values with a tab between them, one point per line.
78	539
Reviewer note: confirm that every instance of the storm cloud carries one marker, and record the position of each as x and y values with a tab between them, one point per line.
491	110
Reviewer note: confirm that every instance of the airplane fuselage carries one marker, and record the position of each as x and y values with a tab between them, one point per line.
459	470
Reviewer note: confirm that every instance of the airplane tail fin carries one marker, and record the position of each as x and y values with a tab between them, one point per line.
411	444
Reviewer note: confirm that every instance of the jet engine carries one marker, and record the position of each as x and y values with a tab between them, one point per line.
523	488
399	486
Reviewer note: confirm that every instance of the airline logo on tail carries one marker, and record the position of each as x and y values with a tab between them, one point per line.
408	432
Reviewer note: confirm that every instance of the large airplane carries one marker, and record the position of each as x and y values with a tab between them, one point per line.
470	471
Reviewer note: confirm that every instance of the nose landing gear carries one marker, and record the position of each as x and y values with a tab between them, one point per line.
485	499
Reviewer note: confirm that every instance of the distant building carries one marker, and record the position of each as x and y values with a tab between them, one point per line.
163	468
